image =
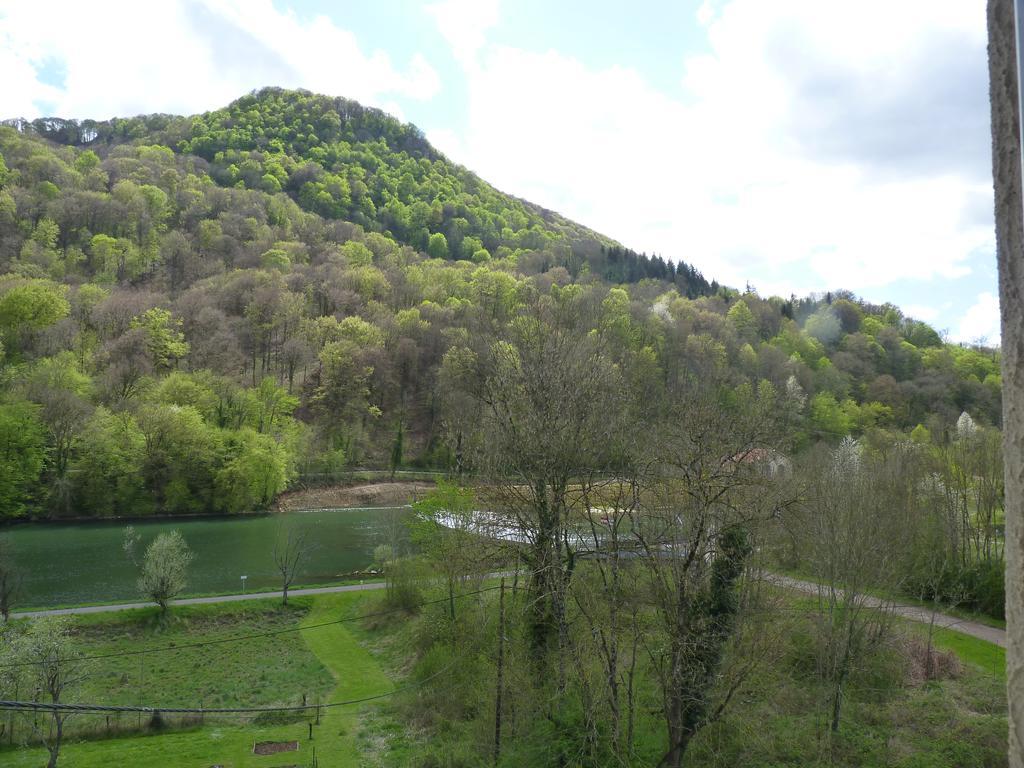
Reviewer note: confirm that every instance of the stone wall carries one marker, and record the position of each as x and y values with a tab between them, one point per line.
1006	174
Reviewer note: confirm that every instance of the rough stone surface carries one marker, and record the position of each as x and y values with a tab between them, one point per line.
1006	174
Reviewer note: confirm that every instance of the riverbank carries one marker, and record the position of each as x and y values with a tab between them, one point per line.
382	494
362	495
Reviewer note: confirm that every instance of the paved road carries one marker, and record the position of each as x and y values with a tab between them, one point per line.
911	612
197	600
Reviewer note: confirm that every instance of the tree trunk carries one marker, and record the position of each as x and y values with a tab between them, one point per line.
837	705
54	747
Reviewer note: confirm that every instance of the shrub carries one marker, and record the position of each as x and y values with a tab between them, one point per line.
403	585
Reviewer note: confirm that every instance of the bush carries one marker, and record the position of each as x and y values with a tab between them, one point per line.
403	585
978	587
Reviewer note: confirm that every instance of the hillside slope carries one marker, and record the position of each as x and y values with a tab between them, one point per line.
341	160
196	312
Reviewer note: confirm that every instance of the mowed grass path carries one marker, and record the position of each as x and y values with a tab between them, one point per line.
226	742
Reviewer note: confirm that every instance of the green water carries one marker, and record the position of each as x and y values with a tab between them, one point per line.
84	562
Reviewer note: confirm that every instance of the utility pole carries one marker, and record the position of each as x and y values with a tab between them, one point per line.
501	672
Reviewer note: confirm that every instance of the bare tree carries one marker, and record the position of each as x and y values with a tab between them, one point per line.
696	528
49	666
534	408
854	506
291	548
607	596
453	535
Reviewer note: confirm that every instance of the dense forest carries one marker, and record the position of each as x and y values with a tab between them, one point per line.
196	311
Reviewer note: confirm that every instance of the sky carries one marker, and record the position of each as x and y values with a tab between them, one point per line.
793	145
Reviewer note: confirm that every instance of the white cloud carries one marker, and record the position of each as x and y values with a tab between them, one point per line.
705	13
464	24
981	321
921	312
185	57
759	168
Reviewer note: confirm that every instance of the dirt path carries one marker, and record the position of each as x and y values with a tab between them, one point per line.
197	600
912	612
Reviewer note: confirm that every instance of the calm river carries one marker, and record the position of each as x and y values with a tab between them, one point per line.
84	562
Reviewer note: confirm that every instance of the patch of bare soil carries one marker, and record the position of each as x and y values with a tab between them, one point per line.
367	495
273	747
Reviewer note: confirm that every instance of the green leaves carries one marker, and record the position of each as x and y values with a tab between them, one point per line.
164	339
22	454
32	305
164	568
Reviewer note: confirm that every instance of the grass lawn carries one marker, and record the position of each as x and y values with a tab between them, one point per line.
326	662
986	656
776	719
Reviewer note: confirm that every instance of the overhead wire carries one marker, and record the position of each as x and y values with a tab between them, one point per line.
38	706
241	638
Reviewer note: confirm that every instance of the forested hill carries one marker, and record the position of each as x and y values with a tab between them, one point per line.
341	160
197	311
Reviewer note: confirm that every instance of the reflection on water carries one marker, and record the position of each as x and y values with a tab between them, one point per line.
84	562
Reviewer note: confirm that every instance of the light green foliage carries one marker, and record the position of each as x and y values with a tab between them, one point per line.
359	333
164	568
32	305
276	258
86	161
872	326
409	322
369	282
922	335
22	453
742	320
41	248
437	246
255	473
164	339
180	457
108	466
270	407
195	390
116	259
806	348
828	418
356	254
616	321
59	373
921	435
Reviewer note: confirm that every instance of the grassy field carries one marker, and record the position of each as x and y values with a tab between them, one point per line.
776	720
325	662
